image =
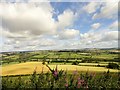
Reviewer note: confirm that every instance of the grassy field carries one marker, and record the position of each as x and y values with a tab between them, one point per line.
106	56
18	69
28	68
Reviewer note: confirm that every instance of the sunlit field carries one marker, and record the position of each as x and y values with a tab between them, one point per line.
28	68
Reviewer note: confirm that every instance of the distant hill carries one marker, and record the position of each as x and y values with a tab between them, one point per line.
65	50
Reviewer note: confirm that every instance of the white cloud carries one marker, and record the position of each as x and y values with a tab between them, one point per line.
8	34
47	42
95	25
32	18
108	10
65	19
38	0
24	1
109	36
25	26
114	25
31	26
69	34
99	36
92	7
89	38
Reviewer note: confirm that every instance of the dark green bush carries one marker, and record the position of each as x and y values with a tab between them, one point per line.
75	63
98	65
43	62
113	66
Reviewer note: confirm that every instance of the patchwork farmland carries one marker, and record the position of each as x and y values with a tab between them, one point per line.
27	64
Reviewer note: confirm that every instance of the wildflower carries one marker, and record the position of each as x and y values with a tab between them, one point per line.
66	85
78	83
55	72
75	72
66	82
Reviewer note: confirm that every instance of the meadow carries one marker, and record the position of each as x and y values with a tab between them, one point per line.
28	68
49	69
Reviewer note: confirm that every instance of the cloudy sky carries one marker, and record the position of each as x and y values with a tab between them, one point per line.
58	25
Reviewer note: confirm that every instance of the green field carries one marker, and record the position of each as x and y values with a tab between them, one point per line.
90	60
29	69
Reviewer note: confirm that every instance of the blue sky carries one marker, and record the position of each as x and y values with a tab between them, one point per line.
58	25
84	20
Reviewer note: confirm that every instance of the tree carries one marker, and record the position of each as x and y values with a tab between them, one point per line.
113	66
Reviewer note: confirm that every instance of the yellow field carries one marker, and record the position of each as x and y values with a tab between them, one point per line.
28	68
92	64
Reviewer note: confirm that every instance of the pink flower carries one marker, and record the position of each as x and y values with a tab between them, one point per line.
80	83
55	73
66	85
78	78
75	72
66	82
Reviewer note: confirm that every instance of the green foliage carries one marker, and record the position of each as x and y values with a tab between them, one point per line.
64	80
43	62
33	79
113	66
98	65
57	56
75	63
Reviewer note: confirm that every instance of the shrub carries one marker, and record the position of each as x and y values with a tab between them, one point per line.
113	66
83	61
98	65
75	63
43	62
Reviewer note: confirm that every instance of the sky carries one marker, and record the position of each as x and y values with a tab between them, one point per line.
28	25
